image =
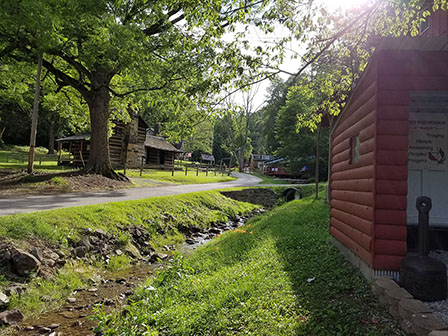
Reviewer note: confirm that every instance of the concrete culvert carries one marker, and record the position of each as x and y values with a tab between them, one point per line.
291	194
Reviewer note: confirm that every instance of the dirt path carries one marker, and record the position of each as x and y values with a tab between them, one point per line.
25	204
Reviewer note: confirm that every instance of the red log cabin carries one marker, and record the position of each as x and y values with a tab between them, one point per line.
389	147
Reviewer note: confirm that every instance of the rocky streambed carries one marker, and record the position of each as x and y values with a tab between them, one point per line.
110	289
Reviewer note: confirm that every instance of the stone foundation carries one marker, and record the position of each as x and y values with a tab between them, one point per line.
415	318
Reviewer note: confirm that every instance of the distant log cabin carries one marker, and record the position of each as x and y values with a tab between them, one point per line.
159	153
129	144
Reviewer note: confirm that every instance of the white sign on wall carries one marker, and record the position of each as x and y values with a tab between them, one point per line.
427	141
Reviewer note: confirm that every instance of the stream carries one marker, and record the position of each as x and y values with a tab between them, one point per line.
111	289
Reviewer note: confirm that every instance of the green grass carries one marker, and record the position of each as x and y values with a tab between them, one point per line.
16	157
269	180
179	176
118	262
162	216
280	275
44	294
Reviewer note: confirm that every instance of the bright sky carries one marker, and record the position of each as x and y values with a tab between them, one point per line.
290	65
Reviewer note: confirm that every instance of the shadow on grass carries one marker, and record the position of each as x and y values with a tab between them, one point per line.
331	289
11	177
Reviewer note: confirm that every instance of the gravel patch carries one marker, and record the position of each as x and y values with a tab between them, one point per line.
440	308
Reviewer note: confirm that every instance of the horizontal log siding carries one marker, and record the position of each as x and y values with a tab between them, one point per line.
398	73
438	24
352	185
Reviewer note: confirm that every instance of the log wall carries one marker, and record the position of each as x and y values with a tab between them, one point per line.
153	158
399	73
369	198
352	184
438	24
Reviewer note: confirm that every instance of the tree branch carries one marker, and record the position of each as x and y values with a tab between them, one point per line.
246	85
65	79
331	41
163	24
155	88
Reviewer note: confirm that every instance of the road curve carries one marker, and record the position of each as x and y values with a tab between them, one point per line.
25	204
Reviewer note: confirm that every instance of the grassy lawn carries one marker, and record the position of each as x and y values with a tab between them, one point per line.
269	180
279	275
16	157
179	176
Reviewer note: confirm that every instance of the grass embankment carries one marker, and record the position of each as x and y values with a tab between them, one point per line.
161	216
270	180
180	177
279	275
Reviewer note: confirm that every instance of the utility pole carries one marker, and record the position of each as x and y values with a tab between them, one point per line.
34	116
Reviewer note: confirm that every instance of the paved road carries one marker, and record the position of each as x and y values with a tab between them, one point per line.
49	202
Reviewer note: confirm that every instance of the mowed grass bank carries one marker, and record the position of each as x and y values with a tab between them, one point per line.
279	275
161	216
180	177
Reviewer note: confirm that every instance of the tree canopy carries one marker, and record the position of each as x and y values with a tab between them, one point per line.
117	54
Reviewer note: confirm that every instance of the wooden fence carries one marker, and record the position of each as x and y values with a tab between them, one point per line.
23	158
190	168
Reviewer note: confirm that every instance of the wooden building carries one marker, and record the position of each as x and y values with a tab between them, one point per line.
160	153
277	168
257	160
207	159
388	148
129	143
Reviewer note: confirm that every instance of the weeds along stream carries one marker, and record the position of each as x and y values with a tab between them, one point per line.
110	290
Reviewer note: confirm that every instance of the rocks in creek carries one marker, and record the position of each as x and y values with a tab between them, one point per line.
99	242
85	242
43	330
45	273
80	252
140	238
132	251
215	230
156	256
71	300
37	253
23	263
15	289
54	326
10	317
4	300
75	324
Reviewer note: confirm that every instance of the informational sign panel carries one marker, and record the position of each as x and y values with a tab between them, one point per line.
427	141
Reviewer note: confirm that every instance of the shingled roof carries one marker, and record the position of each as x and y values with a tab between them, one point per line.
207	157
75	137
160	143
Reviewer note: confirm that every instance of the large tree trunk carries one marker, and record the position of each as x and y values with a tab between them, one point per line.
99	161
51	137
241	160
